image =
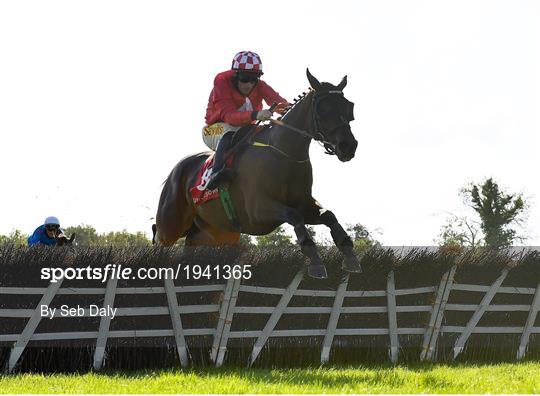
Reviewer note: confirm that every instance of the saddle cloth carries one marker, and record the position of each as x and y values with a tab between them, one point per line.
199	193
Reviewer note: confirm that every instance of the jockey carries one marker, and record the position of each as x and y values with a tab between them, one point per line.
46	233
236	101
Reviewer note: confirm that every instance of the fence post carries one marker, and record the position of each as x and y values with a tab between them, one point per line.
535	306
274	318
226	313
432	332
104	323
460	343
172	301
392	317
333	320
31	325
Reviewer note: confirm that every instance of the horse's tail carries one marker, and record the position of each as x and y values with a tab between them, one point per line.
154	230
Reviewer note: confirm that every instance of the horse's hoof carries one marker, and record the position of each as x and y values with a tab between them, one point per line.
351	264
317	271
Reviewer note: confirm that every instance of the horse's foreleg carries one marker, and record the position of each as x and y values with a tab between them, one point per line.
316	214
286	214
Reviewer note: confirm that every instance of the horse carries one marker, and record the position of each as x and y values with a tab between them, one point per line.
63	240
272	184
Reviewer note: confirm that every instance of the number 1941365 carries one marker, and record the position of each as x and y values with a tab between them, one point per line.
217	272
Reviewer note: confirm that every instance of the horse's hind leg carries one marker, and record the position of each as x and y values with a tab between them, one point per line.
170	231
316	214
174	217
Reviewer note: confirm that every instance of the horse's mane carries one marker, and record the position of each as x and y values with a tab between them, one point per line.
295	102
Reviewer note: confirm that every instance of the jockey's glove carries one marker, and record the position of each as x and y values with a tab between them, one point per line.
264	115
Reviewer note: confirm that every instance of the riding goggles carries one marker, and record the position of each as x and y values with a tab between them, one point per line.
52	227
247	78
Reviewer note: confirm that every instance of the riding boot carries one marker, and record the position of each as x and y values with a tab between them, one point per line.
220	173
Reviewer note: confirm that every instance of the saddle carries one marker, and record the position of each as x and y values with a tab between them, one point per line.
241	139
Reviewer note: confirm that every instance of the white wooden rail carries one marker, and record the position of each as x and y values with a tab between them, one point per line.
274	317
392	317
31	325
228	310
434	327
527	330
333	321
104	324
221	335
174	312
479	311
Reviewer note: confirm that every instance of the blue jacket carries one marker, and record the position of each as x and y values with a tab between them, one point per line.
40	237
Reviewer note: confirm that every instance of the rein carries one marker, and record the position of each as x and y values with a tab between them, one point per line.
261	144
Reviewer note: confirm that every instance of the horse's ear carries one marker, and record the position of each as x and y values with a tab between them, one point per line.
315	84
343	83
72	238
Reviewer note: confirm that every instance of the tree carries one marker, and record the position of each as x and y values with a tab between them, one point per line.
86	235
15	237
278	237
459	231
499	212
361	236
125	239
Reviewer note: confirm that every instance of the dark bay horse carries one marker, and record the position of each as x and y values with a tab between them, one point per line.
272	184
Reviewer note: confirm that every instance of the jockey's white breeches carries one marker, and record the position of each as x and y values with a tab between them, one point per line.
212	134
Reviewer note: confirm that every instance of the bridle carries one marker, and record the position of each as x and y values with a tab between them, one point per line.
318	135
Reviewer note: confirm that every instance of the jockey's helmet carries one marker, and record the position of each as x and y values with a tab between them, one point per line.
52	220
247	61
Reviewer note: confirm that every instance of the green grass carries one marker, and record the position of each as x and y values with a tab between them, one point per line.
495	378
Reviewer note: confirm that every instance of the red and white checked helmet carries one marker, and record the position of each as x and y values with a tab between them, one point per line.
247	61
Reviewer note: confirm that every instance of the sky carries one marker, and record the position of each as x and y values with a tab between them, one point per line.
100	99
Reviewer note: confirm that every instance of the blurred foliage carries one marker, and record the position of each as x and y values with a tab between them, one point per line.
246	240
459	231
362	238
87	235
278	237
15	237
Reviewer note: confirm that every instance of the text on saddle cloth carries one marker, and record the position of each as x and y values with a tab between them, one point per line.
199	193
